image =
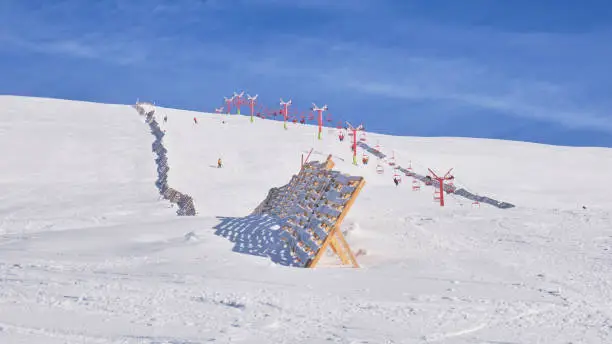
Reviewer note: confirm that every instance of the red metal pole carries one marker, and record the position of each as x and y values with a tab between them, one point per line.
441	181
320	121
252	104
285	114
308	156
355	146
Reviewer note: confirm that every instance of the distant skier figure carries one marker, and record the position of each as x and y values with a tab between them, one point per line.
219	163
166	119
365	160
396	181
195	120
341	137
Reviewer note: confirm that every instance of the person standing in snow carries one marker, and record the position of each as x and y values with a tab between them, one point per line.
195	120
219	163
396	181
166	119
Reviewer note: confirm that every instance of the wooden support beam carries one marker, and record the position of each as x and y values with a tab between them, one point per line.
335	234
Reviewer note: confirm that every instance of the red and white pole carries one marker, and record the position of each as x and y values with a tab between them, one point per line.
252	101
355	131
285	111
320	112
355	146
228	104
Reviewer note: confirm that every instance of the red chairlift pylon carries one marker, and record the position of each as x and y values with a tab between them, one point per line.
252	101
285	111
228	104
354	145
439	193
238	100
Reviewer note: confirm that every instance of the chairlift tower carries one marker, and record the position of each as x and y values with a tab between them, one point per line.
354	130
252	101
238	100
441	180
228	104
285	110
319	110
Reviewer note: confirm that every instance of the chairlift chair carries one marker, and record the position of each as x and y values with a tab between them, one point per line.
397	176
379	168
392	159
409	170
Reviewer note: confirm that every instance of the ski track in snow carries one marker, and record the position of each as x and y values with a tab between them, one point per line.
88	254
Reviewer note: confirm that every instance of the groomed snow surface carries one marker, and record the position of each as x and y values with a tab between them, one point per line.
90	254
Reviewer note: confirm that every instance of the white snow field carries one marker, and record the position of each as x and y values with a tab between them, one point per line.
89	253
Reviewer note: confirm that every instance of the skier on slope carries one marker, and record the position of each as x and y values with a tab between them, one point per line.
195	120
396	181
219	163
165	118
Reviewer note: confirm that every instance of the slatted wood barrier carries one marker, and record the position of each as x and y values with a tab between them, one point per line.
312	207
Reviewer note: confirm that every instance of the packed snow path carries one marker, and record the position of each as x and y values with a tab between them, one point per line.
89	255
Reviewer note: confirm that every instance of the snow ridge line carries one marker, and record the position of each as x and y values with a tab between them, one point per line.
183	201
449	189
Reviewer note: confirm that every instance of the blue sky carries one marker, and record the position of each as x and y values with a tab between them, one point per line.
517	69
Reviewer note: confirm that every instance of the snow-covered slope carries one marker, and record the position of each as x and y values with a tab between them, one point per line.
88	254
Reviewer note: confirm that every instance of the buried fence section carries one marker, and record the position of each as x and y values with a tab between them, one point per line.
184	202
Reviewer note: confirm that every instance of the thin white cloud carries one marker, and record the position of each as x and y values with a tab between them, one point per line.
114	51
501	71
400	74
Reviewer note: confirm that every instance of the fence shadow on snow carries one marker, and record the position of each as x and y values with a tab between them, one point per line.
257	235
